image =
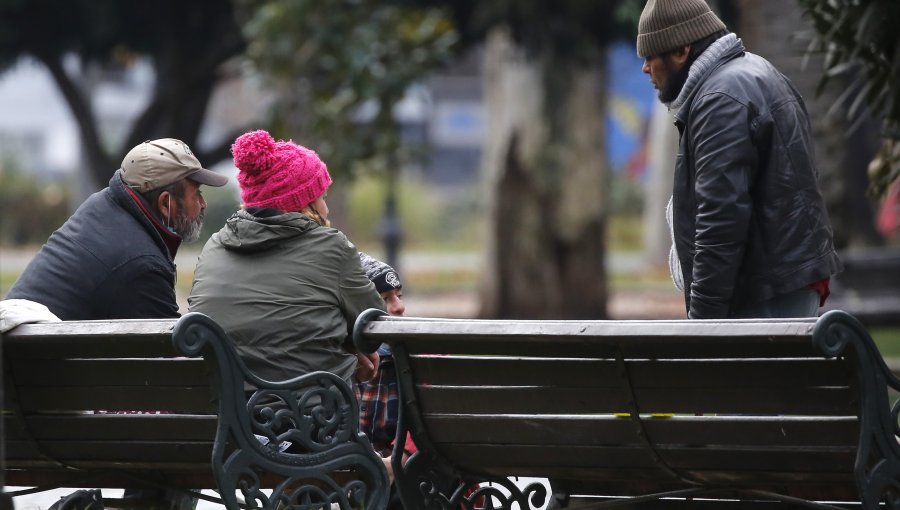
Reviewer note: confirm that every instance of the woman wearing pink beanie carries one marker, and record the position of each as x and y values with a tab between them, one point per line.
285	286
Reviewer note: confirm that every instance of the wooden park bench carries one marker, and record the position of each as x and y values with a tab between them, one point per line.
129	404
716	413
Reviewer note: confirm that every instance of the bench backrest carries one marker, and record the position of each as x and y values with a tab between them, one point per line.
635	407
127	403
72	391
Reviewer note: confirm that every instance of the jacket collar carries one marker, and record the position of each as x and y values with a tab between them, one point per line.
245	231
141	210
722	50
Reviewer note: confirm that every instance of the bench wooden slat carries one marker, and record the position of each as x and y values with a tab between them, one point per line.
42	475
91	331
116	398
110	372
184	475
560	400
124	347
619	480
131	338
824	487
732	431
743	461
523	331
123	427
676	349
636	339
833	488
126	453
498	371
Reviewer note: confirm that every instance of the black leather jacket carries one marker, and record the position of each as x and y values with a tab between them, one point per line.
107	261
749	220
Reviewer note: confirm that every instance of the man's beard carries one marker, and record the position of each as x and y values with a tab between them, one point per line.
187	228
675	82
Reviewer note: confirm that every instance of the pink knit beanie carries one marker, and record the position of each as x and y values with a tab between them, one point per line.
281	175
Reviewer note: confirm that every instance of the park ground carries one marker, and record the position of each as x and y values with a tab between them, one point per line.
445	284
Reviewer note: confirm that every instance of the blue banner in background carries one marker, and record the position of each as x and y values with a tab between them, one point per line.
630	102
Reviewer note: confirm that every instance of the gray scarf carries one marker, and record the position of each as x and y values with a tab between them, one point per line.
699	68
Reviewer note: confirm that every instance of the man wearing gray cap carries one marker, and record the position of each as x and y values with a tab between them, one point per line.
114	257
751	236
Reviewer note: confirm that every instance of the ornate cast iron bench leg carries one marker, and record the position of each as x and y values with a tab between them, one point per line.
328	461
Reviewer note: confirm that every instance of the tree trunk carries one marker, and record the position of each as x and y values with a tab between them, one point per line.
544	166
187	74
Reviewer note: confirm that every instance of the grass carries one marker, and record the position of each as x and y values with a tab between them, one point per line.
7	279
888	341
625	232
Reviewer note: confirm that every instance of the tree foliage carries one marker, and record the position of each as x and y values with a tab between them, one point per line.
30	210
860	39
340	67
567	29
188	43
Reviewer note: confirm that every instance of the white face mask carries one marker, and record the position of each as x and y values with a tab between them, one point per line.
169	215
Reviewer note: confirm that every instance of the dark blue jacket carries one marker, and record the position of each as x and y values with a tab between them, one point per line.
108	261
750	222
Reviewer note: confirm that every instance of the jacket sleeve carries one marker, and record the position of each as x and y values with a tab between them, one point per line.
725	160
145	291
357	293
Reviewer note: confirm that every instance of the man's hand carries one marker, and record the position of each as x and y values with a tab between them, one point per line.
366	366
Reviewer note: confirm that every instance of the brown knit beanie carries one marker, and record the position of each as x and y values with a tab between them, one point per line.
669	24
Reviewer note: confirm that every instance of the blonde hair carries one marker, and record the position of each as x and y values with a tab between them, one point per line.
311	213
308	211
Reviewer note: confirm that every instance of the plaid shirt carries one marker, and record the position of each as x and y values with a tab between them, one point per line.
379	404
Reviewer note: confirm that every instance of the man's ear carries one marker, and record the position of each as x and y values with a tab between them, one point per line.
680	55
164	204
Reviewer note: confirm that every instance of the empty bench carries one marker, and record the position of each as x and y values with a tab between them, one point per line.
714	412
130	404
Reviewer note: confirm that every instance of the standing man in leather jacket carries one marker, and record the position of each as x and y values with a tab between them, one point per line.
751	235
114	258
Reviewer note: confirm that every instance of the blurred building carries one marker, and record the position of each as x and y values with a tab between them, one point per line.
455	123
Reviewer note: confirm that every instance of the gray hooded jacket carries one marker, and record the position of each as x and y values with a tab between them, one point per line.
286	290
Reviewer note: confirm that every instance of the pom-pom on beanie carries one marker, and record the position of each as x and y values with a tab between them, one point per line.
280	175
669	24
382	275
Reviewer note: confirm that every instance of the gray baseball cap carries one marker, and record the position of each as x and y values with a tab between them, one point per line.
157	163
